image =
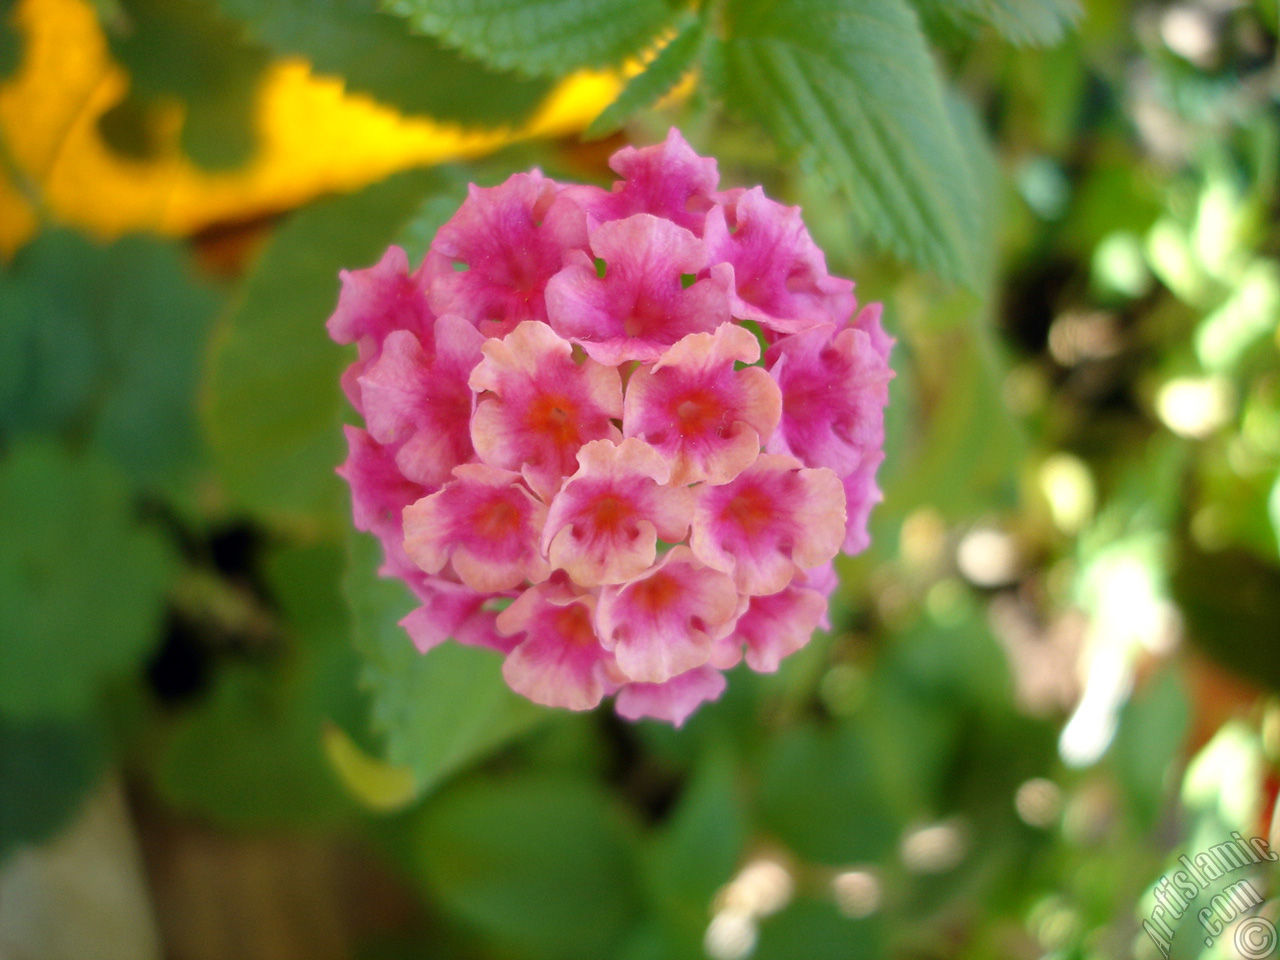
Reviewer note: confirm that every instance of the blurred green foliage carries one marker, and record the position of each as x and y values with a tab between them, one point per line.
1020	717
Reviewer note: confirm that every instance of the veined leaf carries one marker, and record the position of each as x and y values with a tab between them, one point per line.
1030	22
645	89
853	83
375	53
547	38
438	711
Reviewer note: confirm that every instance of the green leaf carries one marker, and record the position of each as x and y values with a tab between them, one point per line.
645	89
252	754
1029	22
82	585
155	326
435	211
812	929
375	53
185	49
1149	740
106	341
548	38
1230	598
820	794
543	865
438	711
50	355
10	42
46	769
274	400
700	845
966	454
853	84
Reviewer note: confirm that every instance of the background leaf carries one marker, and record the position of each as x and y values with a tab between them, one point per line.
46	770
375	53
82	584
274	403
546	38
106	341
543	865
251	752
187	50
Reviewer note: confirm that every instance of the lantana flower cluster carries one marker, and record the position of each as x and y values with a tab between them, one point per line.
617	436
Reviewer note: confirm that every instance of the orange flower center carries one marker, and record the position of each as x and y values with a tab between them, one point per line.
498	520
751	510
556	417
573	623
656	593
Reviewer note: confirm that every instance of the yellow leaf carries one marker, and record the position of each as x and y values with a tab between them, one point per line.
314	138
375	783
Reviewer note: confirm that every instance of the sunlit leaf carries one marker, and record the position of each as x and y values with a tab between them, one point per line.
315	138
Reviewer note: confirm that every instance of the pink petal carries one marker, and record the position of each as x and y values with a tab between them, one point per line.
486	523
780	276
423	405
379	491
451	610
673	701
511	239
374	302
543	406
706	417
774	627
835	384
772	518
666	621
667	180
640	306
605	522
379	299
861	494
559	663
